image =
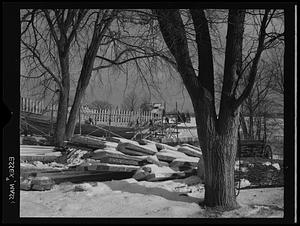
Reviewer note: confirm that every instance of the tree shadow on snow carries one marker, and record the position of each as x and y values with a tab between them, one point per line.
136	188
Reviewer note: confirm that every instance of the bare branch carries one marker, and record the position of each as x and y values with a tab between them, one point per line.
253	70
172	28
53	33
41	63
205	60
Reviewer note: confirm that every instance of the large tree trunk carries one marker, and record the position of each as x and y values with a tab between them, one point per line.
85	76
75	109
61	117
63	102
219	148
87	67
217	135
219	184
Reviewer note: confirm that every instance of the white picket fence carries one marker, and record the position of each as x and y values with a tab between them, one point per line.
32	106
119	118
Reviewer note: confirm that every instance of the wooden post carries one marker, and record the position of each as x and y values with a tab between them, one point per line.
27	105
79	118
162	121
265	128
109	122
176	122
51	120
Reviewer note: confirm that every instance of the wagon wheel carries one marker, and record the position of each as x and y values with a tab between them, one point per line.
268	152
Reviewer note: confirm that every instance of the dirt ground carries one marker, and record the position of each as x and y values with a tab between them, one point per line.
129	198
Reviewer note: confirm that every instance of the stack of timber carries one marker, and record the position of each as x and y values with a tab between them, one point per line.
123	155
89	158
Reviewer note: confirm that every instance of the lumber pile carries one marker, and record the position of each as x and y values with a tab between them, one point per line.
123	155
93	158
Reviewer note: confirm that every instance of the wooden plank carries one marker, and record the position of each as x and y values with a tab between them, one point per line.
98	166
127	148
86	141
42	158
169	156
171	176
120	161
99	154
192	146
84	176
36	146
190	151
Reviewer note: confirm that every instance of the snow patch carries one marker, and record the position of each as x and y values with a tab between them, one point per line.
244	183
192	180
267	163
244	169
101	188
276	165
237	164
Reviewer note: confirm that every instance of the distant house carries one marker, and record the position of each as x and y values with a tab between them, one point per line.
157	108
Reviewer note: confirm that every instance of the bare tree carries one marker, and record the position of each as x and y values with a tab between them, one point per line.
217	133
131	102
257	104
100	104
100	25
275	68
46	38
55	40
145	104
114	44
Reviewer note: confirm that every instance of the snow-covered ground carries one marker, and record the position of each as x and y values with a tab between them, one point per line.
129	198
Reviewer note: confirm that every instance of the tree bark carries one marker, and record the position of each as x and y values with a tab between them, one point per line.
63	101
83	82
219	152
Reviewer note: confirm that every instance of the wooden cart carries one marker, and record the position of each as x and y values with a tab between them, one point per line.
254	148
